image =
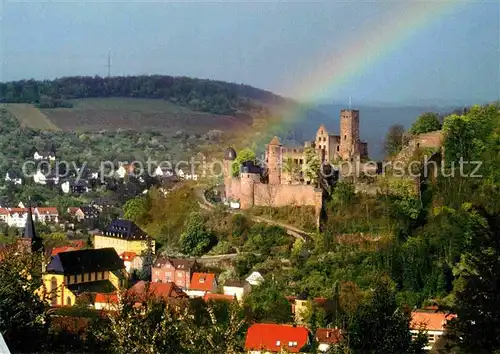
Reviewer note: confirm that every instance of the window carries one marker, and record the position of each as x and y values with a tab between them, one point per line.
98	276
338	147
103	275
278	343
324	139
345	136
431	338
68	301
74	278
53	291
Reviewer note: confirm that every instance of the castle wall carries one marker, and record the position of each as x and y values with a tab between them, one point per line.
429	140
284	195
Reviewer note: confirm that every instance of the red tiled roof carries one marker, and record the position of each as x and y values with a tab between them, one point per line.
163	290
128	256
273	337
74	246
4	211
202	281
217	297
47	210
18	210
73	210
106	298
431	321
328	335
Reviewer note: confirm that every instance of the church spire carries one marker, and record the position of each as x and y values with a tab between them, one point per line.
30	232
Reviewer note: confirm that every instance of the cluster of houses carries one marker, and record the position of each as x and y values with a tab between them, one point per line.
18	216
69	182
99	273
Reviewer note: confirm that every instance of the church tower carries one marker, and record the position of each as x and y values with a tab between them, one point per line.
274	161
349	134
30	240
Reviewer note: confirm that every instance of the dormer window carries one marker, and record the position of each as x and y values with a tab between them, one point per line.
278	343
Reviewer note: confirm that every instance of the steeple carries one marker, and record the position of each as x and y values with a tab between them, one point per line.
30	232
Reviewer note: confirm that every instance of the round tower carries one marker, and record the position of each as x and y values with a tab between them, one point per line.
349	133
229	157
274	161
247	181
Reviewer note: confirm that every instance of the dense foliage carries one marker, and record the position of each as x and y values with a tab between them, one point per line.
202	95
427	122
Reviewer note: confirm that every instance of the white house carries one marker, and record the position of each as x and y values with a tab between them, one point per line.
17	217
181	173
46	214
65	187
236	288
4	215
39	178
255	279
158	172
44	156
132	261
432	323
202	284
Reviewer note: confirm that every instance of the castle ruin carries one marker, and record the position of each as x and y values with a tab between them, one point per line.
284	186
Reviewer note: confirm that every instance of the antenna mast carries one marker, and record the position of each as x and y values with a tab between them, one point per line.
109	64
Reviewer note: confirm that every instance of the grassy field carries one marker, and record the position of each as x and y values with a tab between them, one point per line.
29	116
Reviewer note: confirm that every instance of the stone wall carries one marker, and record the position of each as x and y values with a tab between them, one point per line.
429	140
283	195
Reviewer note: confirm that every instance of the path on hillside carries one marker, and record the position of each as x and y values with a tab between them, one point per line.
290	229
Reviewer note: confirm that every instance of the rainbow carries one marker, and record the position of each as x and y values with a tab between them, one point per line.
371	46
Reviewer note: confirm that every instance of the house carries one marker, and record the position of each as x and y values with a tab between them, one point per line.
17	217
105	202
13	177
132	261
201	284
83	213
159	172
175	270
104	301
141	291
301	305
74	246
74	273
432	323
124	236
4	215
273	338
255	279
327	338
47	214
39	177
75	187
236	288
44	155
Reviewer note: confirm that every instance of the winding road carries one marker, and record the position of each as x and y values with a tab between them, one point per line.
291	230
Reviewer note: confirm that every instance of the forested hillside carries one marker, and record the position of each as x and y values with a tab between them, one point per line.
211	96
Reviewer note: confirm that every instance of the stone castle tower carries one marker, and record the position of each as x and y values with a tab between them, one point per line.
274	158
349	134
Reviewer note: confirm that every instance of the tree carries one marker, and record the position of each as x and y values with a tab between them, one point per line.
196	239
242	156
267	303
388	325
477	326
23	320
137	210
427	122
393	142
312	166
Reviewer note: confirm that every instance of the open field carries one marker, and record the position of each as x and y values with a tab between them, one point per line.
112	114
29	116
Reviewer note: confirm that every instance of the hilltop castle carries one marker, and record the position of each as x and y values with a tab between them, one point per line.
287	186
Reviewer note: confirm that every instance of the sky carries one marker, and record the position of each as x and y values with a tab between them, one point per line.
454	56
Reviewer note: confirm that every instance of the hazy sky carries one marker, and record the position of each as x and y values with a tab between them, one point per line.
268	45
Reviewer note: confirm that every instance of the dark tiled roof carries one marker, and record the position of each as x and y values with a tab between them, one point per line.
250	167
125	229
85	261
89	210
230	154
178	263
